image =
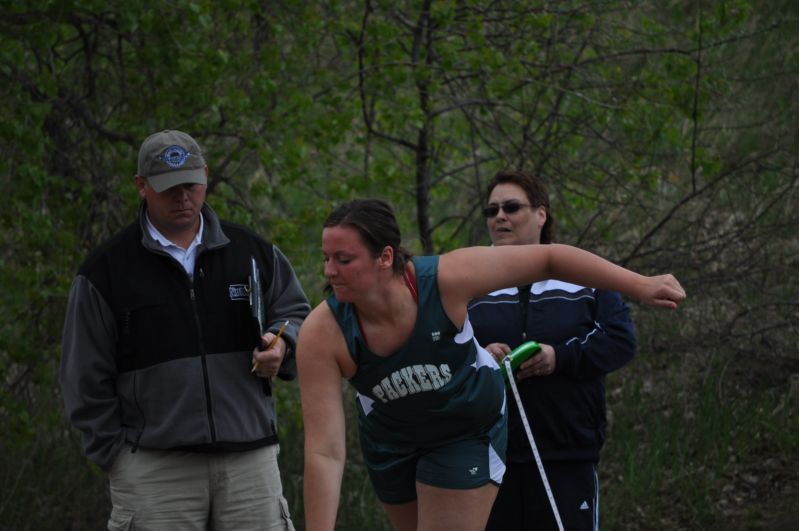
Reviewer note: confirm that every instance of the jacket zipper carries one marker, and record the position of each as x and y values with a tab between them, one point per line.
141	413
209	410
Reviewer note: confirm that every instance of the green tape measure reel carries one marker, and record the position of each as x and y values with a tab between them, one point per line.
519	355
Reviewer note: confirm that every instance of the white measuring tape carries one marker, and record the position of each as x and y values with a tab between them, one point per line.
512	380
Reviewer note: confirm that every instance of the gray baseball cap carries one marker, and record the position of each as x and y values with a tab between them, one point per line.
169	158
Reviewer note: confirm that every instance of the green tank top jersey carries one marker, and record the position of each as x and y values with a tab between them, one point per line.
439	387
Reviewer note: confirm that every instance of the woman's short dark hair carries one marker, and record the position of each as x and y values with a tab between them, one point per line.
375	221
536	194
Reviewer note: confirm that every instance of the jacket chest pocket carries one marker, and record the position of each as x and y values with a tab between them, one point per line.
149	332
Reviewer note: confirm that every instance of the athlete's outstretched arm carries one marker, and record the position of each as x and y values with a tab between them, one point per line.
320	376
473	271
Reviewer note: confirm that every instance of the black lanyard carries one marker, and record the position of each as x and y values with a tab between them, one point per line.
524	299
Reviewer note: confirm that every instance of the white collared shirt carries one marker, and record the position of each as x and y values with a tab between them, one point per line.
185	257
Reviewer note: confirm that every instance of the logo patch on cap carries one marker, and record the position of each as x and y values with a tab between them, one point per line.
174	156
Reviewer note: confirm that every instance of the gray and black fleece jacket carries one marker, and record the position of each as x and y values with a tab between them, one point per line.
152	358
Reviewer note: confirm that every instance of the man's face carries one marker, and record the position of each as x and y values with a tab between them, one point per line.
176	210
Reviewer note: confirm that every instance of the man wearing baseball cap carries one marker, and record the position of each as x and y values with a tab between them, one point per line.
158	346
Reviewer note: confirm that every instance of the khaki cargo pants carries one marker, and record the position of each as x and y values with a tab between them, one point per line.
174	490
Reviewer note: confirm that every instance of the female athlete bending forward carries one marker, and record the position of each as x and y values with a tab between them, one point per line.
431	401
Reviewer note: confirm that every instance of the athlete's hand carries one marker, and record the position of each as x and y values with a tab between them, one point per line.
662	291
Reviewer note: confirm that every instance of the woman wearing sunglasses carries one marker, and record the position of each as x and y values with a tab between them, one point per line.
584	333
431	402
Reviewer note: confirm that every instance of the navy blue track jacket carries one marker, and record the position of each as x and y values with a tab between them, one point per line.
592	335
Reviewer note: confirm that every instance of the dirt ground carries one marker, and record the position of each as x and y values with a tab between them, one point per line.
762	496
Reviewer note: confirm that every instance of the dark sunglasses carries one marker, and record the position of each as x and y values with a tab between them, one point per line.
509	208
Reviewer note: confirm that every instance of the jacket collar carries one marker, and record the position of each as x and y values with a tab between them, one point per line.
213	236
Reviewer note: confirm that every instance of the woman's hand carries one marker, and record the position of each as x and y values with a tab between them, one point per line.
498	351
541	364
661	291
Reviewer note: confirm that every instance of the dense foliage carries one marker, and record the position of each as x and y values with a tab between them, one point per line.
667	132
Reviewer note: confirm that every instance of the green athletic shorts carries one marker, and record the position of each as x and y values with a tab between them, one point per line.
461	464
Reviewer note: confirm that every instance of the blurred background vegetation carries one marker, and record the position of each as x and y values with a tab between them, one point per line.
667	131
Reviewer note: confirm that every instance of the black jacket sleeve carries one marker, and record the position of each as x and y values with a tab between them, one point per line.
602	348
